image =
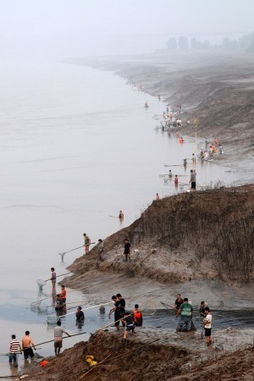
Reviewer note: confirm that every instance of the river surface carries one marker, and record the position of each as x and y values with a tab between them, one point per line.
77	145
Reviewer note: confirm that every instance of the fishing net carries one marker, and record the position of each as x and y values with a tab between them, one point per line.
51	319
41	282
35	305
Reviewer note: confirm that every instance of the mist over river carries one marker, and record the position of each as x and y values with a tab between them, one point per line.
77	145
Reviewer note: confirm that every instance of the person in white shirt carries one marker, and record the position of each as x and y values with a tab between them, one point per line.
58	337
208	326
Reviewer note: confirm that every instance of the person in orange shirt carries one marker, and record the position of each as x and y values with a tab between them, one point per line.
28	346
137	316
63	294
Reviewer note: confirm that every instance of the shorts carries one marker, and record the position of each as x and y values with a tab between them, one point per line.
193	185
130	327
208	332
28	352
58	342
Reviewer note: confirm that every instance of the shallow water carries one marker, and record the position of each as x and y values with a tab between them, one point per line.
77	146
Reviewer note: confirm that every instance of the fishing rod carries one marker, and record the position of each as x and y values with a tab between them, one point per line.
173	165
17	377
41	282
69	251
168	306
64	337
167	174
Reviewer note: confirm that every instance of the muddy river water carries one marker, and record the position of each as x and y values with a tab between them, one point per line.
77	145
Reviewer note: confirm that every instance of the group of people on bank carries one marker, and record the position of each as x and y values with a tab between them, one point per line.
128	319
184	309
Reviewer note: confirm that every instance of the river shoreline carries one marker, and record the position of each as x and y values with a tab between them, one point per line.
209	87
153	75
160	270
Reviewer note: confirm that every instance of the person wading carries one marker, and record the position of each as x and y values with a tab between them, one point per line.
178	302
63	294
185	311
53	280
137	316
193	179
15	349
58	337
121	215
28	346
116	310
80	317
121	304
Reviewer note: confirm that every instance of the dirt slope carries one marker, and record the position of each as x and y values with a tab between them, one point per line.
145	357
191	236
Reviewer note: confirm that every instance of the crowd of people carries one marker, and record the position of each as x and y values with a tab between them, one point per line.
211	149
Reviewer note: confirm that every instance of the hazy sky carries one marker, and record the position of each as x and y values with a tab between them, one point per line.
79	27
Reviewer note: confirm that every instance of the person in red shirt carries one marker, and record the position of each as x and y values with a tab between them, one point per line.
137	316
63	294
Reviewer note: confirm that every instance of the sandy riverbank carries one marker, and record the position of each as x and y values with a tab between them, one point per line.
197	243
218	90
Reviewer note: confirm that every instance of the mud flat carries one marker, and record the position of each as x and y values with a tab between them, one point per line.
150	355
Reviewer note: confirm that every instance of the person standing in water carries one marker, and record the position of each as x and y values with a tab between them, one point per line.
137	316
80	317
63	294
170	174
53	280
193	179
178	302
127	250
28	346
87	243
176	181
193	158
115	309
185	311
121	304
15	349
58	337
121	216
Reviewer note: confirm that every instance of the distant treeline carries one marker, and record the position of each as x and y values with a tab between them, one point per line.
244	43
